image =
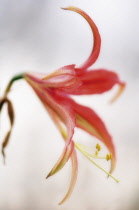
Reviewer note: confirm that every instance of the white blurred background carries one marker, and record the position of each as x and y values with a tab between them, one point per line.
39	36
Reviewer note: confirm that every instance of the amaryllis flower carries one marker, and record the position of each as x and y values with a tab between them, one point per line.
55	90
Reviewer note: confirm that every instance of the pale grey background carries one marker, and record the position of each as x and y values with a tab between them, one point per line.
39	36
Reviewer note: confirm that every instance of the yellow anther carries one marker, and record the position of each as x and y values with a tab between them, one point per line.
83	149
96	153
108	156
98	147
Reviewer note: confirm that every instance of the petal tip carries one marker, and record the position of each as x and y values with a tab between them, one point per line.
97	39
68	8
119	92
64	8
60	203
48	176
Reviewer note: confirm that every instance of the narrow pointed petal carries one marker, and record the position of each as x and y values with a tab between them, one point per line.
89	121
97	40
73	177
97	82
66	115
69	145
68	118
60	107
63	159
73	157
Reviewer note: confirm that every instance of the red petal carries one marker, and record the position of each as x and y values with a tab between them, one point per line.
73	156
97	40
67	152
74	176
96	82
119	92
67	116
61	109
64	77
89	121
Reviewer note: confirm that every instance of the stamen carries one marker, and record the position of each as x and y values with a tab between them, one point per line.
108	156
98	147
85	147
101	168
96	153
81	148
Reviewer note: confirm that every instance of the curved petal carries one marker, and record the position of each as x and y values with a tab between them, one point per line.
67	152
97	40
73	157
96	82
64	77
69	121
60	108
73	177
66	70
119	92
89	121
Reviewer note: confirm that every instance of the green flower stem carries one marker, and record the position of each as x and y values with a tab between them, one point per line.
17	77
